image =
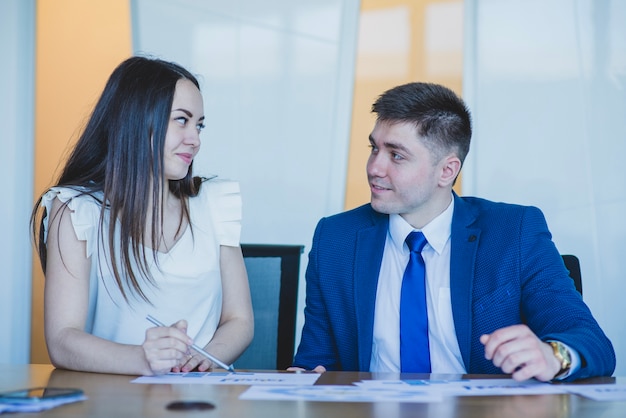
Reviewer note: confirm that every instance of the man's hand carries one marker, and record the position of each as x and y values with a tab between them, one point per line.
318	369
518	351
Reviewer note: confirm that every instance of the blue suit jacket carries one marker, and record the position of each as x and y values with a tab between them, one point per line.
504	270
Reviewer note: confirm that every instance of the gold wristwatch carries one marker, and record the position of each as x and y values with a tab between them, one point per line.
562	355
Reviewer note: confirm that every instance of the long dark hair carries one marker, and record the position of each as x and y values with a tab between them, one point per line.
117	156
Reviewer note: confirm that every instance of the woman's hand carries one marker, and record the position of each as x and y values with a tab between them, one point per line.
168	349
194	361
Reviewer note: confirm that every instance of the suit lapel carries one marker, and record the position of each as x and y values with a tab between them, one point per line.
464	244
369	253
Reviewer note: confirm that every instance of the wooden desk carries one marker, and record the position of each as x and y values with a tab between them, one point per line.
113	396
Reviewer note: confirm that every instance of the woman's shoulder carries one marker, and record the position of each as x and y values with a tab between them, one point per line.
218	193
84	206
216	186
222	199
72	196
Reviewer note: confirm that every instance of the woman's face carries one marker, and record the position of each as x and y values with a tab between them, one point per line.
182	140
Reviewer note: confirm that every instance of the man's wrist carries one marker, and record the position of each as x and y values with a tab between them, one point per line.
563	356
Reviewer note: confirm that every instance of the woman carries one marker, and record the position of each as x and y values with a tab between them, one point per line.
128	232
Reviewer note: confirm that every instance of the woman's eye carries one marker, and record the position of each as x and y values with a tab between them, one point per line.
200	127
181	120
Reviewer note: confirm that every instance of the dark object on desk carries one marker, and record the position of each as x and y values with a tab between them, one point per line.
573	265
273	273
189	406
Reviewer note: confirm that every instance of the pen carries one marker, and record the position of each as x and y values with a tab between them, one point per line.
195	347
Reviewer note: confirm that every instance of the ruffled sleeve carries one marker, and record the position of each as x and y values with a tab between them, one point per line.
85	213
224	200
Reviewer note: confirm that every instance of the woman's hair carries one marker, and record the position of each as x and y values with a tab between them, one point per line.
118	155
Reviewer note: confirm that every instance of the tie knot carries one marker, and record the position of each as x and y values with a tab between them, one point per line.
416	241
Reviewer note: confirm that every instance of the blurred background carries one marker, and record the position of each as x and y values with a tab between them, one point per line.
288	86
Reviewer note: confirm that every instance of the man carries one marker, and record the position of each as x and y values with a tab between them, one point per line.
497	295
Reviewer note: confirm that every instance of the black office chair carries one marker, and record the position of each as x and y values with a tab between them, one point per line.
273	273
573	265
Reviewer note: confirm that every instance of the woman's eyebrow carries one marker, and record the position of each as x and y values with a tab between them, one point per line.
185	111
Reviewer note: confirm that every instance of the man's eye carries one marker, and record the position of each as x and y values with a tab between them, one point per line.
373	148
396	156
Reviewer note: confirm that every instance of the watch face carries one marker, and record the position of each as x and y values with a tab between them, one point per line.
565	353
562	354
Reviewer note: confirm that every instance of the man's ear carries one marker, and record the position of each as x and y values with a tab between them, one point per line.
450	167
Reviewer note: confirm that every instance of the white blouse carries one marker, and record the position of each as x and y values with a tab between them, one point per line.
187	278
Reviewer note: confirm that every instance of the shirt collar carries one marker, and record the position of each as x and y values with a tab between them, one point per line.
437	231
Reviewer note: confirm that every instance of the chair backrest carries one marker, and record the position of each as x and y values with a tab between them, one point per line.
273	273
573	265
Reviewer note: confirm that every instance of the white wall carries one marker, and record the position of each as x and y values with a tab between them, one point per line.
546	82
547	91
17	40
277	80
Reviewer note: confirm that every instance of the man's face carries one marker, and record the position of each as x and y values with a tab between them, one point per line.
403	175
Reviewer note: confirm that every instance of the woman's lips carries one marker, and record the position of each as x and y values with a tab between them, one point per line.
187	158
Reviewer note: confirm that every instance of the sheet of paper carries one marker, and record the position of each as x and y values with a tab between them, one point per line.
491	387
600	392
471	387
238	378
299	386
335	393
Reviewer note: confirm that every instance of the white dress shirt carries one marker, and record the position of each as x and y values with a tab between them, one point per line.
445	355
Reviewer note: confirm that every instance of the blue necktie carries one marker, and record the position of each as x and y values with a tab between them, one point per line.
414	352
